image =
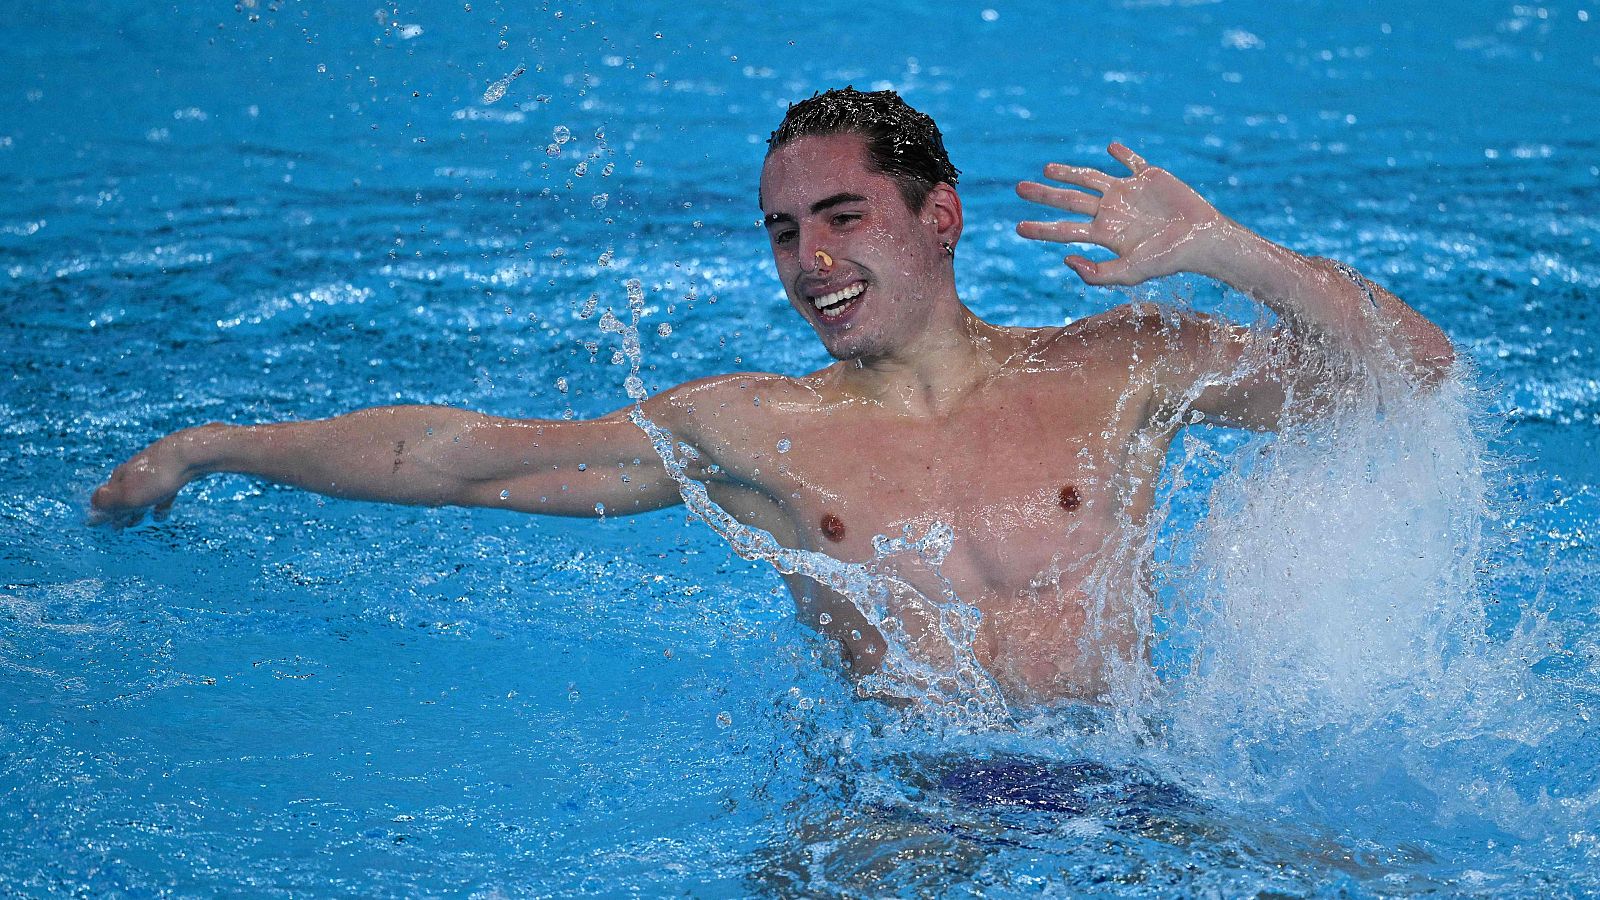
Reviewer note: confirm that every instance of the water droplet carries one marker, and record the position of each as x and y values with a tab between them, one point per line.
322	69
608	169
599	201
825	618
784	445
552	150
583	467
561	384
605	259
724	720
664	330
590	304
581	169
561	134
600	508
505	495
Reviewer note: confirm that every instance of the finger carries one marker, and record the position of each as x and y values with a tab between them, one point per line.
1056	232
1059	198
1082	176
101	509
1111	271
1122	154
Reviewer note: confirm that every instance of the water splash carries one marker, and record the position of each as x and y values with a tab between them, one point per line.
1318	622
498	89
948	677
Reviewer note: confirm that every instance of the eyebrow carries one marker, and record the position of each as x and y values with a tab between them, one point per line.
819	206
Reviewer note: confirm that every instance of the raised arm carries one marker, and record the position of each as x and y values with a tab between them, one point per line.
414	455
1157	225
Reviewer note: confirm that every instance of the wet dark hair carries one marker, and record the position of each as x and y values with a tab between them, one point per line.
901	143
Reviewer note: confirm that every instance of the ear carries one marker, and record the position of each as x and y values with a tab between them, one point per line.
942	210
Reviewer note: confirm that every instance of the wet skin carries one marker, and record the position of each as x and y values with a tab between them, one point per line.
1041	447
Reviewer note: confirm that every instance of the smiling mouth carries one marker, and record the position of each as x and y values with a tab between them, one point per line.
834	304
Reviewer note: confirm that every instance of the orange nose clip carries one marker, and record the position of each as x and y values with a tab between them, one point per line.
825	259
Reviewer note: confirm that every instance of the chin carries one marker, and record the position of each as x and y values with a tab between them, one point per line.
844	351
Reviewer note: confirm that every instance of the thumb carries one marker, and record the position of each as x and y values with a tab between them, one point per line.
1111	271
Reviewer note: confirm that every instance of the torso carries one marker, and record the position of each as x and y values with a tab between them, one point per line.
1045	471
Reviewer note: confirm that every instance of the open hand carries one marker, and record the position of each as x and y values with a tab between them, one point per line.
1156	224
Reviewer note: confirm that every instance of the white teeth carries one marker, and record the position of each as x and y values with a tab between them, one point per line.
839	296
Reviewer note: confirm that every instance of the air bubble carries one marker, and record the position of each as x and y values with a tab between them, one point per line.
784	445
505	495
561	133
561	384
724	720
825	618
600	508
664	330
583	467
855	634
599	201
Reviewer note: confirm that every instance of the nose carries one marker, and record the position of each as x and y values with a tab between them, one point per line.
818	260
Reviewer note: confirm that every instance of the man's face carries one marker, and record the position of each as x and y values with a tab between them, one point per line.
854	259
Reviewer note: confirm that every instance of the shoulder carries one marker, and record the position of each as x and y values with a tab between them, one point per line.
736	386
1139	335
721	408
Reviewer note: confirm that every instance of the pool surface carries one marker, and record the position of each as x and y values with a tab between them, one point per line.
1377	658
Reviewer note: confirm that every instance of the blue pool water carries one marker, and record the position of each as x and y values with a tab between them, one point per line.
288	210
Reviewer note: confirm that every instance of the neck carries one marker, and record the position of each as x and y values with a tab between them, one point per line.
930	376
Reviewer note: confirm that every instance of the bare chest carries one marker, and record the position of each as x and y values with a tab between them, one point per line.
1021	488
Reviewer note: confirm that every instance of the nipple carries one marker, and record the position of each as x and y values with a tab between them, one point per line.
824	259
1068	498
832	527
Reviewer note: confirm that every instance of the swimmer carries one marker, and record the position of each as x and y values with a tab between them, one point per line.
1042	447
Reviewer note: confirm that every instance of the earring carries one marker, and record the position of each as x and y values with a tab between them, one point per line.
949	249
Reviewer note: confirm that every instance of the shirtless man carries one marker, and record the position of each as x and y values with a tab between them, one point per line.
1041	447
